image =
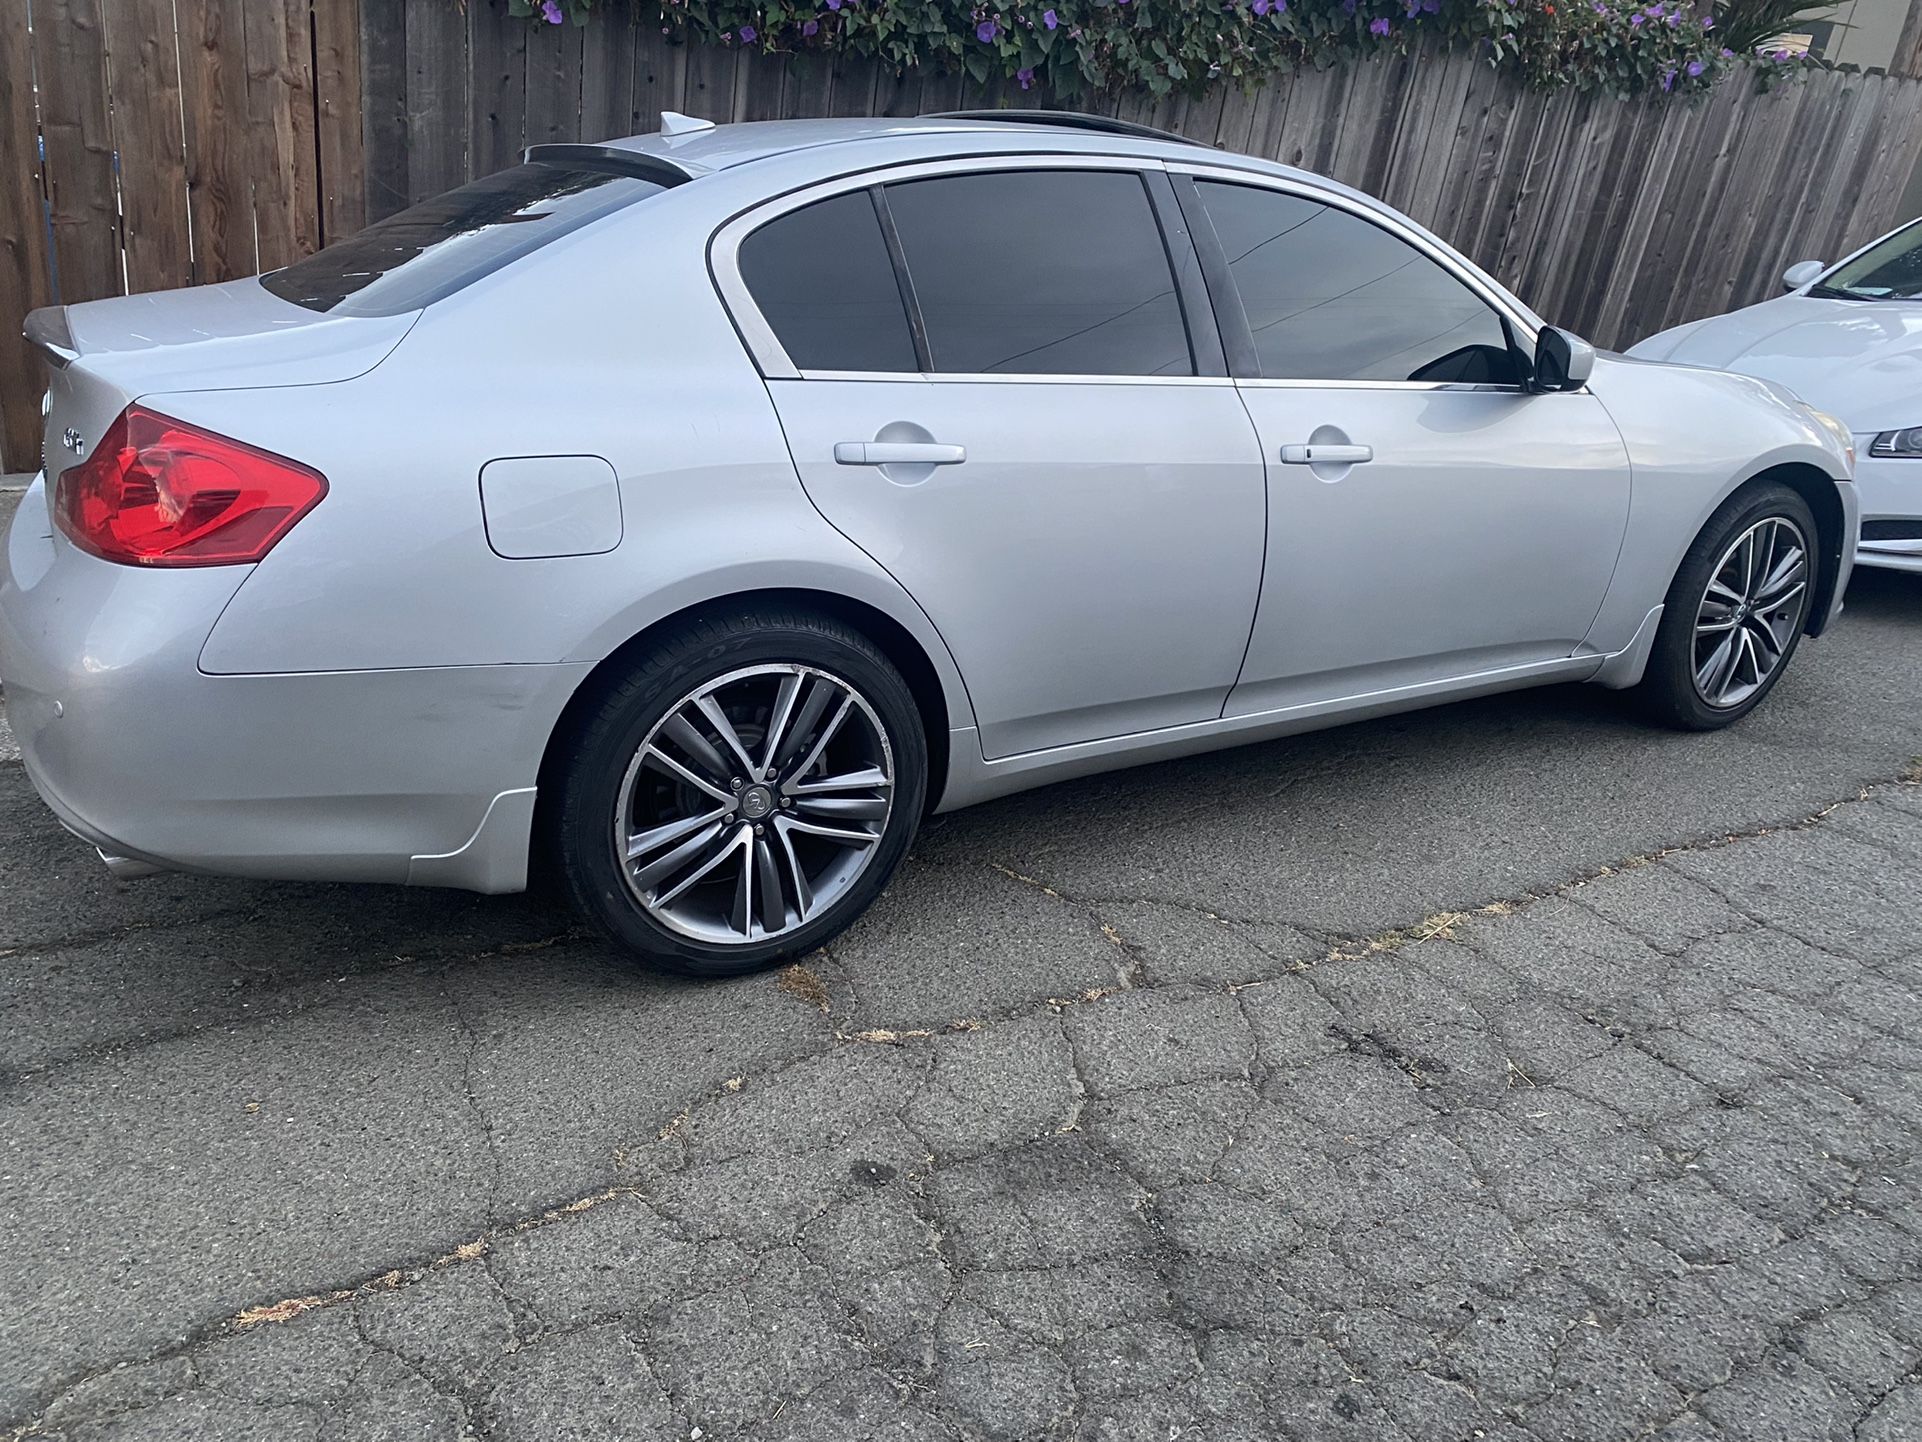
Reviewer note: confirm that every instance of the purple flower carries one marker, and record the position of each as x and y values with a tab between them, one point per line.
986	31
1025	78
1695	68
1635	21
1668	81
551	12
1049	19
1261	7
1348	6
747	34
1727	54
834	4
1379	27
1708	22
810	28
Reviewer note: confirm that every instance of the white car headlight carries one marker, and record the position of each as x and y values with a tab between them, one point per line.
1838	430
1907	443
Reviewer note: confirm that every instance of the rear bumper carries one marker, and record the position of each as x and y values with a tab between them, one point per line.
422	775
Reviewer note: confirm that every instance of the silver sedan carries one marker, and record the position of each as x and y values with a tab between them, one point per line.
699	511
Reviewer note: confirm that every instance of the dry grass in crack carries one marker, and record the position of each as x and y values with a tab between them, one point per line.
1013	875
797	981
393	1280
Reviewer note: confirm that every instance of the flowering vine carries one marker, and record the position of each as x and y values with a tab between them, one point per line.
1070	48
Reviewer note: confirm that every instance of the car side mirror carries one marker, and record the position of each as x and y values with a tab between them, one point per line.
1562	361
1802	273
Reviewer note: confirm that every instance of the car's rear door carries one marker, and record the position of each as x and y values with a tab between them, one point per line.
1000	378
1429	519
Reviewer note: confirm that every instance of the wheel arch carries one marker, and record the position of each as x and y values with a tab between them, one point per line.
1817	488
902	648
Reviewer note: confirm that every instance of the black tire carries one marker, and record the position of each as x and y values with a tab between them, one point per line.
1668	692
611	734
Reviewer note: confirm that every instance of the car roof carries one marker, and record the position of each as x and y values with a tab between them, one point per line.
721	147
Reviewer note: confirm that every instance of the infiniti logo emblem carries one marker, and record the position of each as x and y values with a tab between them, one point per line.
73	441
756	802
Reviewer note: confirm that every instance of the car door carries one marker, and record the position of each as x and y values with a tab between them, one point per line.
988	381
1429	519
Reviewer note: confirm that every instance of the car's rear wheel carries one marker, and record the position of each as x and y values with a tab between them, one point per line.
1735	612
743	794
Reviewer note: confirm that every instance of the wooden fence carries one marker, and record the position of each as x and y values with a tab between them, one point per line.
265	127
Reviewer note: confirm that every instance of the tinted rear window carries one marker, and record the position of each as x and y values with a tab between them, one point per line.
823	280
430	250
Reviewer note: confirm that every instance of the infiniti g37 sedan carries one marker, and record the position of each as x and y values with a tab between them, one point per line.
698	512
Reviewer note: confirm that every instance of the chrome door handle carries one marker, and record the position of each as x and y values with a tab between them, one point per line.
897	453
1313	455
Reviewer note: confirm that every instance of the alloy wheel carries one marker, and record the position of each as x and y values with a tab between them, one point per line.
1751	611
754	804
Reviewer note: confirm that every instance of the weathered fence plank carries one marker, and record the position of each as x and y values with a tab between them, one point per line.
144	79
71	60
435	105
555	60
25	279
337	89
607	73
383	101
213	81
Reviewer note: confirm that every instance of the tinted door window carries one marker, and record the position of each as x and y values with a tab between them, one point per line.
1041	272
430	250
1330	296
823	280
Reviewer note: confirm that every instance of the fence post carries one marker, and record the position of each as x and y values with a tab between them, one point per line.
24	278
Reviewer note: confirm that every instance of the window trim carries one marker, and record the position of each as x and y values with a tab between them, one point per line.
1232	315
772	359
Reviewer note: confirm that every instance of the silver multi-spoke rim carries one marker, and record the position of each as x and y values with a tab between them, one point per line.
1751	611
754	804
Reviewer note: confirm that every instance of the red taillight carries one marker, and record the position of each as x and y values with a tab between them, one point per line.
159	492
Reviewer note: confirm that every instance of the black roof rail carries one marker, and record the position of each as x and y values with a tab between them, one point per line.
1072	120
610	158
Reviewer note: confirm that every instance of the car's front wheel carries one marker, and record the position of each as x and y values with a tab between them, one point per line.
743	794
1735	612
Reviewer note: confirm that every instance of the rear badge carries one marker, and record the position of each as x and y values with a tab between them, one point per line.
74	441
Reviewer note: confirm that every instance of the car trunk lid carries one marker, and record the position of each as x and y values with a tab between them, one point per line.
103	355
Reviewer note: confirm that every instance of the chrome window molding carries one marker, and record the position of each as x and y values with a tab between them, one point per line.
1456	387
765	347
1524	324
1008	378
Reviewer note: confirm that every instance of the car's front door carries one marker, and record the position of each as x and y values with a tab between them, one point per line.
1019	431
1428	519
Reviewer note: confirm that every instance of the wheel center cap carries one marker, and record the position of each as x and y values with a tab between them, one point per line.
756	802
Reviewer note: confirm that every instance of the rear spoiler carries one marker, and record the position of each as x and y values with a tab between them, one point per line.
47	331
615	159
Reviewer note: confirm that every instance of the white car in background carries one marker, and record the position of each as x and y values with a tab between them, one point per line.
1848	340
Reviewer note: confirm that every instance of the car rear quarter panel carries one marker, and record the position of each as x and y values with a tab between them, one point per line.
1694	437
613	345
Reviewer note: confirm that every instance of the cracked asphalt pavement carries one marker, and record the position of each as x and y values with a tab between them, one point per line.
1506	1071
